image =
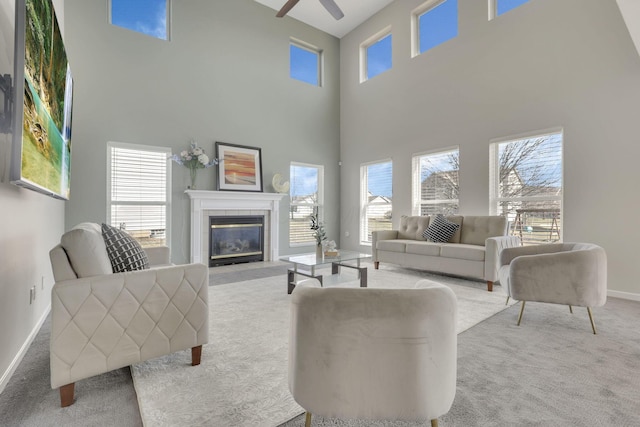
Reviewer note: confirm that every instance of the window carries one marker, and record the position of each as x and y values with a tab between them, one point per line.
375	198
138	197
306	192
433	23
305	63
375	55
435	183
498	7
150	17
526	186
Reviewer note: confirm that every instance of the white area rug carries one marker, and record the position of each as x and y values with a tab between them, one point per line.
242	380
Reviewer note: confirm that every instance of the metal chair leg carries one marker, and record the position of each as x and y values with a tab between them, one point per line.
570	309
307	420
593	325
521	311
507	303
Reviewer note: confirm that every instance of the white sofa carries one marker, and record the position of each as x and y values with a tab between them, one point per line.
473	251
102	321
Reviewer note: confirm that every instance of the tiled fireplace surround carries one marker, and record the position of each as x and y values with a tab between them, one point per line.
232	203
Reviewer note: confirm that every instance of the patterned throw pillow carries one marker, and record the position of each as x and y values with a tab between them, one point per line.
124	252
440	230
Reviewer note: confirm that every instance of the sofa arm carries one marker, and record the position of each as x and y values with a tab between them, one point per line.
380	235
493	247
158	255
102	323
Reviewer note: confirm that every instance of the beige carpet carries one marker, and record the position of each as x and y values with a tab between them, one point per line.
242	380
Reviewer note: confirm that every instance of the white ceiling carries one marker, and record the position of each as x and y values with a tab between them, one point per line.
313	13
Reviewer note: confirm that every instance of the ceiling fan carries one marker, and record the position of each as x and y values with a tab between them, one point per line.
330	5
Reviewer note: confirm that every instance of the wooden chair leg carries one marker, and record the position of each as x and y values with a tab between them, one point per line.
307	420
376	264
434	422
521	311
489	286
66	395
196	354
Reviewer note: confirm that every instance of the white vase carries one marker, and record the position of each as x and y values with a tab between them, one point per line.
318	251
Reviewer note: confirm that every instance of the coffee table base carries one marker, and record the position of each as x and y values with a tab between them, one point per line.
335	269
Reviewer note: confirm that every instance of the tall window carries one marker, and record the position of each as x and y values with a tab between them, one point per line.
435	183
139	197
150	17
305	63
375	55
375	198
498	7
433	23
306	192
526	186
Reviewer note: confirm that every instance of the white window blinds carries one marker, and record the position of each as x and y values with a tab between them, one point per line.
435	183
375	198
138	196
306	192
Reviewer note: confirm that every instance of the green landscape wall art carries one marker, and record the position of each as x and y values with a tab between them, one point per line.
43	95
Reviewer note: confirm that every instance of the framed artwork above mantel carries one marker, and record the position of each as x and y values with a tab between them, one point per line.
239	167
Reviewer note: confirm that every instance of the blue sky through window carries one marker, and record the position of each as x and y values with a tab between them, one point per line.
304	180
303	65
506	5
438	25
144	16
379	179
379	57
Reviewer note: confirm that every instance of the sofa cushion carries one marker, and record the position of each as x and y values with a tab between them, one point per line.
412	227
125	253
462	251
392	245
86	250
424	248
477	229
440	230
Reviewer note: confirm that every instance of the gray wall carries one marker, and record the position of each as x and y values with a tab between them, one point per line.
546	64
31	224
224	76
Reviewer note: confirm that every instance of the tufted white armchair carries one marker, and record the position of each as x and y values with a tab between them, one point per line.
102	321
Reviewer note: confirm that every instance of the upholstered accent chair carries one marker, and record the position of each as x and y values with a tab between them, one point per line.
574	274
373	354
102	321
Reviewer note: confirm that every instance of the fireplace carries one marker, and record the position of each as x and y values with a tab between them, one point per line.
235	239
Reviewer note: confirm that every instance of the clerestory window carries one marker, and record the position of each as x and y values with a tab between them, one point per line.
150	17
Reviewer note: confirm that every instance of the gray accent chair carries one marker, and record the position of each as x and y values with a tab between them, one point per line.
574	274
373	354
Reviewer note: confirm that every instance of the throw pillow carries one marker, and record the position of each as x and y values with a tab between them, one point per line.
440	230
125	253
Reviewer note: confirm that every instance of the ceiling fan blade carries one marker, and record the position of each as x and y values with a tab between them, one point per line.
332	8
286	8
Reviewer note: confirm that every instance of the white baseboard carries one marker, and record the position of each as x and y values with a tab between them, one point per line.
624	295
23	350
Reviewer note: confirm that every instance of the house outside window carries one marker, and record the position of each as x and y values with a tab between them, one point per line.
139	197
432	24
305	63
435	181
150	17
498	7
375	55
376	198
307	198
527	185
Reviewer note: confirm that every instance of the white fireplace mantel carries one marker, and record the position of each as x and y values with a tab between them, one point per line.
202	201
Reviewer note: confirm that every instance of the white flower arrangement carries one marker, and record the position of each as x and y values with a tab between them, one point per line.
194	158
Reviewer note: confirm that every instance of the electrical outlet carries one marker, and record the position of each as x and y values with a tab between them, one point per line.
32	295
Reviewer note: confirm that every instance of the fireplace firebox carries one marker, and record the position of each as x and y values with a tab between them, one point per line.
235	239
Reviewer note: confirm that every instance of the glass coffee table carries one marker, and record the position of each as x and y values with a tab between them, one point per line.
305	265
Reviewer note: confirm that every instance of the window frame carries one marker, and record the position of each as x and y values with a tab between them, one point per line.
167	20
364	199
494	173
316	207
149	148
364	61
493	9
416	181
416	14
313	49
